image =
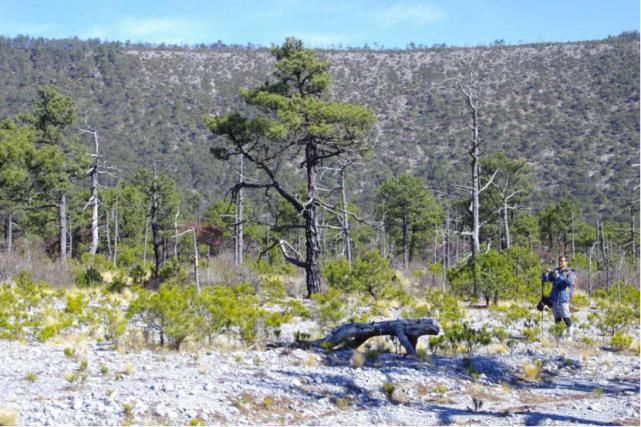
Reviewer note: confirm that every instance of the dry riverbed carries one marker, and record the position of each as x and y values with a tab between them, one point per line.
534	384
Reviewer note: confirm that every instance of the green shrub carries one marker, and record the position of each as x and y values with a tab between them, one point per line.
500	334
370	274
437	343
531	334
119	283
89	277
469	337
388	388
615	318
620	341
272	289
137	274
556	330
332	307
296	308
580	300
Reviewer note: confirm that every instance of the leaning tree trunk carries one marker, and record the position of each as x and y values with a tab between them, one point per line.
352	335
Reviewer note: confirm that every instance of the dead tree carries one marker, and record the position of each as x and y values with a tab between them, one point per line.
93	199
408	331
472	95
97	168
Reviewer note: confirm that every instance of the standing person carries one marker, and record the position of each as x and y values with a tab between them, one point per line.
563	280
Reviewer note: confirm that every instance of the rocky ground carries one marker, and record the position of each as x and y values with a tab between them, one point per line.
576	385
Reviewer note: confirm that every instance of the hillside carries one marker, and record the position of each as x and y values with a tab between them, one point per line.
571	110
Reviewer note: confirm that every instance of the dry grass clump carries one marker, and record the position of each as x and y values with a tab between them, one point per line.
531	371
357	360
8	417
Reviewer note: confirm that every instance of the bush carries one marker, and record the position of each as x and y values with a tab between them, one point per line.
296	308
469	337
443	306
172	310
620	341
370	274
332	307
89	277
615	318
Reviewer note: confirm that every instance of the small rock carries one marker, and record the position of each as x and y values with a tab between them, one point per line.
161	410
210	387
168	387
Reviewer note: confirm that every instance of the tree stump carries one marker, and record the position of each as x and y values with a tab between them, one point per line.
407	331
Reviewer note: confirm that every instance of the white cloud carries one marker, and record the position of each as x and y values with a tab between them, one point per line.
407	13
169	30
153	30
322	40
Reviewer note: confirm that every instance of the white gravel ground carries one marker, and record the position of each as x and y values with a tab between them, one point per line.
577	386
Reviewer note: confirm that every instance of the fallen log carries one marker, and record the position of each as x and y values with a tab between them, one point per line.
352	335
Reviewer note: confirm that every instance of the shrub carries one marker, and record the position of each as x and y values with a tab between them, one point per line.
89	277
531	334
371	355
580	300
272	289
370	274
532	370
172	310
469	337
332	307
615	318
296	308
556	330
620	341
388	389
437	343
500	334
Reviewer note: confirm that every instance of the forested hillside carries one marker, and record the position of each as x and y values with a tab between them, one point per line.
569	110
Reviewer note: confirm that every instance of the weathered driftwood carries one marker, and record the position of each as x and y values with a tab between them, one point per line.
407	331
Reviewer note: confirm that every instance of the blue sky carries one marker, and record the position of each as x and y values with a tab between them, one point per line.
322	23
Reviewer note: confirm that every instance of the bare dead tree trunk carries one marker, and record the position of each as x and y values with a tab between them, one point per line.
144	250
114	216
382	233
70	234
446	241
633	234
473	148
347	241
93	199
176	236
404	229
108	235
506	225
62	218
573	239
606	257
8	233
590	273
196	270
